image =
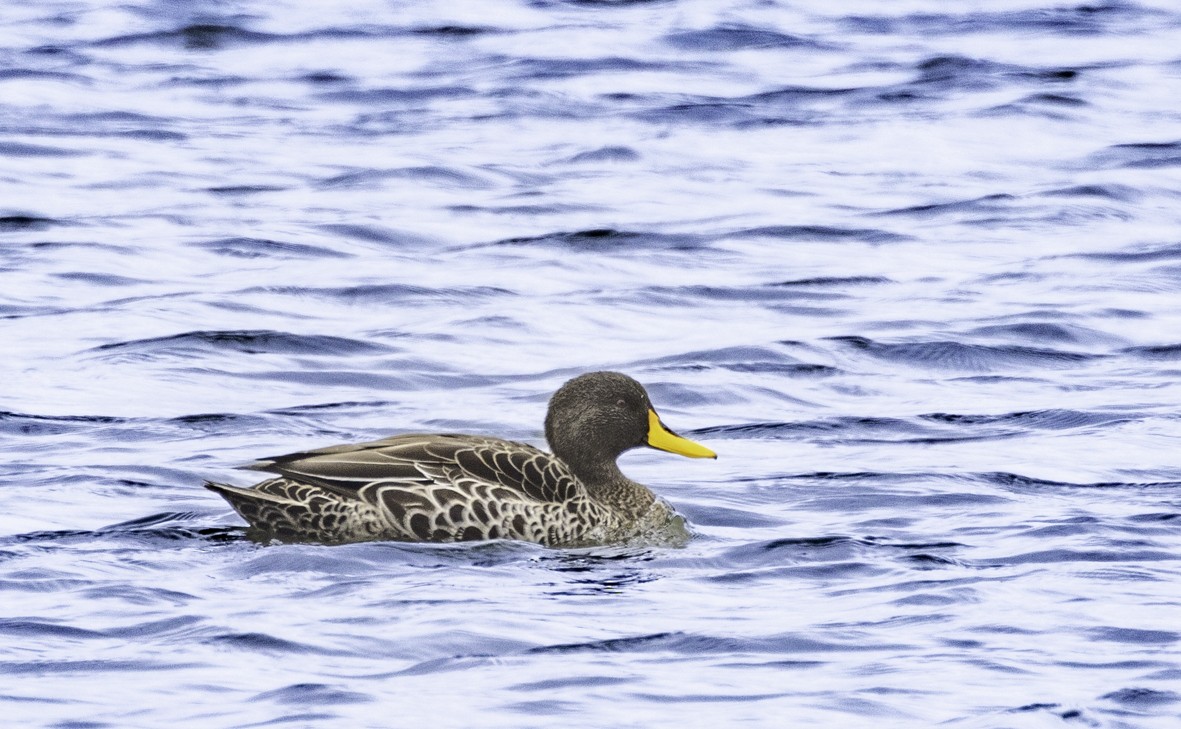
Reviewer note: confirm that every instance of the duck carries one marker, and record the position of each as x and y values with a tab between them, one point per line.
462	488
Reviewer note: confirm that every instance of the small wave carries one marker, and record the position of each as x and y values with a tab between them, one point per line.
721	112
374	234
1121	193
175	533
384	293
242	190
608	239
953	73
431	175
314	694
739	358
782	106
820	233
218	422
265	643
987	203
15	223
1164	516
1142	698
577	682
1071	20
326	78
247	342
819	556
9	74
558	68
17	311
20	149
1164	352
203	36
695	644
454	31
97	279
94	668
1058	556
600	3
833	281
1138	636
436	376
30	628
1041	332
678	295
720	516
383	97
952	355
606	154
179	625
219	36
792	431
151	520
122	125
1013	480
735	38
1050	106
1051	419
29	424
343	405
1054	100
265	248
1140	155
546	209
790	369
858	476
740	353
791	96
1146	254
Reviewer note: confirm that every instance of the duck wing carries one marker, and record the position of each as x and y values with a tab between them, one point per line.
441	468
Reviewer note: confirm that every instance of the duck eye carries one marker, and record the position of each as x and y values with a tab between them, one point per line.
621	403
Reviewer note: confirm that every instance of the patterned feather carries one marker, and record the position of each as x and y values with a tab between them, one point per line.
438	488
449	488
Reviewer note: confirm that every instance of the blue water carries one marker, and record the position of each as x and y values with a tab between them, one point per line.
913	269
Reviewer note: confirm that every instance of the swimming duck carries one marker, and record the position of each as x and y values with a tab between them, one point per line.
449	488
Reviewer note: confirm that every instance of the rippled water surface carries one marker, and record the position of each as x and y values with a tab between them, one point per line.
912	268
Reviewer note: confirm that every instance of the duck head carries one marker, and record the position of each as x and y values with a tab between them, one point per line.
595	417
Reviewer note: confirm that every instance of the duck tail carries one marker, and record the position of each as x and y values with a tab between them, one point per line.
261	508
253	504
237	494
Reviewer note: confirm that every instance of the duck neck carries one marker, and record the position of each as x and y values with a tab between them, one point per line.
608	486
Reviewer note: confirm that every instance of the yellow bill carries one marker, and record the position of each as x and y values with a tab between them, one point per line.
662	438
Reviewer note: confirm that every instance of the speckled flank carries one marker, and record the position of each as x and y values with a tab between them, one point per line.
294	511
442	488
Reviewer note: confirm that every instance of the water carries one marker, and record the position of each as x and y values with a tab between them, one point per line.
912	269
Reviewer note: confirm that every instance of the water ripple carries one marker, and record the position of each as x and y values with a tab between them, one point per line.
912	270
